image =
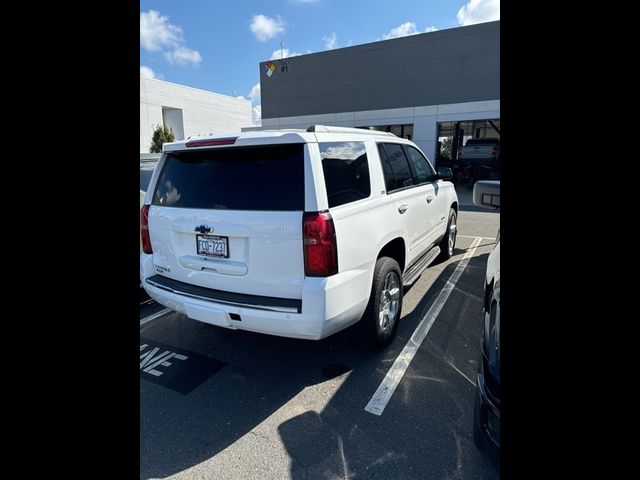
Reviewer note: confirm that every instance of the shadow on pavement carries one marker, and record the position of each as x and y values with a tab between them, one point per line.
264	373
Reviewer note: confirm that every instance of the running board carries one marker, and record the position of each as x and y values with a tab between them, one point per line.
411	275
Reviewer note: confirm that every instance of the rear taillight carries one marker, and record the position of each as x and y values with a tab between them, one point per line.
144	229
319	242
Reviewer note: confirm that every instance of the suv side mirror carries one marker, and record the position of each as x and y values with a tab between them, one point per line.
445	173
486	193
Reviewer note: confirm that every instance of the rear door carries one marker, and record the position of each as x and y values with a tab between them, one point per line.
231	219
409	199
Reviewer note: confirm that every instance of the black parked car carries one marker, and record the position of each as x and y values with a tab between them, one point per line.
486	424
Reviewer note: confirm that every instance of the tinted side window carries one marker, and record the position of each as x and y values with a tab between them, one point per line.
239	178
397	173
386	169
346	171
423	171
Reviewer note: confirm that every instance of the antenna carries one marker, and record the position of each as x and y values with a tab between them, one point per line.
281	50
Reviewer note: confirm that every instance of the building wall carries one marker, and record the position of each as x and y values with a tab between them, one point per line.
453	66
203	112
423	118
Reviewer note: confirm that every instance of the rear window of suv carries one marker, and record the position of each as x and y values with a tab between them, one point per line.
267	178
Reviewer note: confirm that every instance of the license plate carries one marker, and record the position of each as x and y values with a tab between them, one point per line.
212	246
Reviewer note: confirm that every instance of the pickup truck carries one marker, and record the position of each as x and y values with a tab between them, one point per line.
479	159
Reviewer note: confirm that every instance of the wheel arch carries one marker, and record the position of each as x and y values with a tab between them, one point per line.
396	249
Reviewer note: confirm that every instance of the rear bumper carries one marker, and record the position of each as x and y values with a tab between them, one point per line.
327	305
256	302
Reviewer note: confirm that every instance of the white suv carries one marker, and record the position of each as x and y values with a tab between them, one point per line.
294	233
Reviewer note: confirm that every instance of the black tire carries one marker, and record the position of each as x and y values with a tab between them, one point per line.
446	249
372	321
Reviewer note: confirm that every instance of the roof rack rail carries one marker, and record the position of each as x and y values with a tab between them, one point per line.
330	129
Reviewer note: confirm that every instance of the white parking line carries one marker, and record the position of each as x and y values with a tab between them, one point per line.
154	316
473	236
458	370
384	392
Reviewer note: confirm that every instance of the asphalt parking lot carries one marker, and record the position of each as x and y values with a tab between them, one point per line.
229	404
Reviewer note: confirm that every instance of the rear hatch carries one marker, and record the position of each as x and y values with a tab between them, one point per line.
230	219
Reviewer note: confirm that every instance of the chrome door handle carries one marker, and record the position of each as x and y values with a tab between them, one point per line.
403	208
429	199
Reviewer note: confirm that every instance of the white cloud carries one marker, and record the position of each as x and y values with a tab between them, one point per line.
183	56
264	27
431	29
254	94
283	53
408	28
330	41
257	115
157	33
146	72
479	11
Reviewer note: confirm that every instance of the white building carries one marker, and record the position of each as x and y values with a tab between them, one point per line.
188	111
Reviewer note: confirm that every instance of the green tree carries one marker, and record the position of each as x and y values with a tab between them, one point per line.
445	148
161	135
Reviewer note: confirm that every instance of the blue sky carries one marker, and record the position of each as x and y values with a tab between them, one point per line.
217	46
